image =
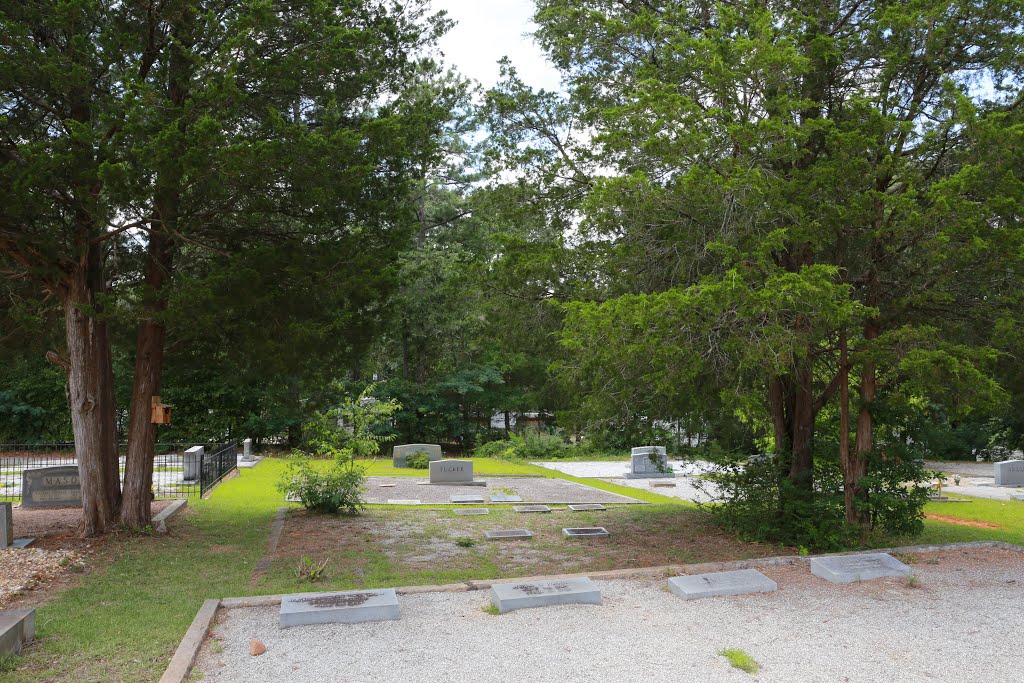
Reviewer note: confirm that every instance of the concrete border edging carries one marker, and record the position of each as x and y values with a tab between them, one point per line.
165	515
185	656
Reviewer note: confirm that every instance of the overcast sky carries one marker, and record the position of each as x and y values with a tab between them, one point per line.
486	31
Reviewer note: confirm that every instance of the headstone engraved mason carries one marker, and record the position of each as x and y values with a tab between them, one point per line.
517	595
1010	473
861	567
451	471
400	453
51	487
648	462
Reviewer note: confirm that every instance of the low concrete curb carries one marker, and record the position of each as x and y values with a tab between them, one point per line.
162	517
185	656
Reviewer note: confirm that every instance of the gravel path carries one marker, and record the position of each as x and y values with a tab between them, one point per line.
530	489
957	626
613	469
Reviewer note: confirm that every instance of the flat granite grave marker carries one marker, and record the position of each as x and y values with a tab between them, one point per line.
587	507
344	607
1010	473
717	584
648	462
472	511
531	508
586	532
510	596
850	568
505	498
51	487
403	501
507	534
451	472
468	498
400	453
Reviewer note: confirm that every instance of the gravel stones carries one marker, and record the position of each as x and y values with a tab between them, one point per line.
25	569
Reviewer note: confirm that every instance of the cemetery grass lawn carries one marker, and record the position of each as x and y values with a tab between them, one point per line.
128	611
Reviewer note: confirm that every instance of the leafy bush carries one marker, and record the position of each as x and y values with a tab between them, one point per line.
358	425
530	446
336	488
417	460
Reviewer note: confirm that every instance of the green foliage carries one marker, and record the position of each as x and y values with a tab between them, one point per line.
417	460
337	487
311	570
739	659
358	426
531	445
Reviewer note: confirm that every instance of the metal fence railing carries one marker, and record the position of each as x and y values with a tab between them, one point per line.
168	467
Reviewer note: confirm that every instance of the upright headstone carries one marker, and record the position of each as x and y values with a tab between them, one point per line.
399	453
649	461
247	450
193	463
1010	473
451	471
6	525
51	487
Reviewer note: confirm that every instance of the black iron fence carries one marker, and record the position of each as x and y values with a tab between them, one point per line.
176	473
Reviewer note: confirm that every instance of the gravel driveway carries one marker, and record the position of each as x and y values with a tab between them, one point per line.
958	624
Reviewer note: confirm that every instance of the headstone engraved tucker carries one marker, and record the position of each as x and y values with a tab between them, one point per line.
51	487
718	584
399	453
451	472
1010	473
648	462
344	607
509	596
863	567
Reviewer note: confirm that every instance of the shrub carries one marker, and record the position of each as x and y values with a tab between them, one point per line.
337	488
417	460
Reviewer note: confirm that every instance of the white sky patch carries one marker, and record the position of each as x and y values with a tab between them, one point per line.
486	31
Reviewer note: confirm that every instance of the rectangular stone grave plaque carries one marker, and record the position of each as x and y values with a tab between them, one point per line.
587	507
469	512
6	525
399	453
451	471
403	501
850	568
648	462
468	498
506	534
51	487
1010	473
344	607
586	532
531	508
717	584
505	498
510	596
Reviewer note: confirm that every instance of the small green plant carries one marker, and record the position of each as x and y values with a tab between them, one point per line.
8	663
804	551
337	488
216	647
417	460
311	570
906	558
912	581
491	608
465	542
741	660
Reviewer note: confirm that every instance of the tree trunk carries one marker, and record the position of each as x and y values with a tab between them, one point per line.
136	511
846	462
801	471
90	391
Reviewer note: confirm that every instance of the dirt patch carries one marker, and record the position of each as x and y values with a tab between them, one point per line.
57	528
963	522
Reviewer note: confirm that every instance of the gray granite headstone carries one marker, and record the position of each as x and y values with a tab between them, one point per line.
648	462
467	498
6	525
17	626
531	508
586	532
51	487
399	453
587	507
510	596
451	471
506	534
344	607
1010	473
505	498
472	512
721	583
247	450
863	567
404	501
193	462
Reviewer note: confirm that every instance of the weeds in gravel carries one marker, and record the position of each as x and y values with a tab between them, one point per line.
465	542
906	558
490	608
912	581
741	660
311	570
